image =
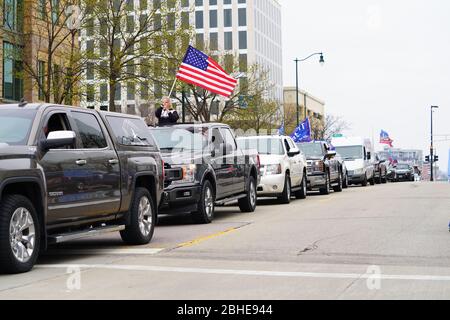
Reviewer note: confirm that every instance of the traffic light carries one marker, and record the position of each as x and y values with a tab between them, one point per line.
427	159
436	158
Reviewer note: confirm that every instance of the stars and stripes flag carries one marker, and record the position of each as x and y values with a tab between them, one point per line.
200	70
385	138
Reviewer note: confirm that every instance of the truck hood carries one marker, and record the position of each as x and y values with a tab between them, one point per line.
180	158
16	152
354	164
270	159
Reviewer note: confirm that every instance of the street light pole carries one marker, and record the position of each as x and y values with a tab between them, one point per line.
432	145
296	91
321	61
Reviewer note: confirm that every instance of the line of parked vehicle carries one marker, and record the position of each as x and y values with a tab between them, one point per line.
68	173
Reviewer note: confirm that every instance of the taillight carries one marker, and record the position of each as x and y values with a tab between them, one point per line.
258	162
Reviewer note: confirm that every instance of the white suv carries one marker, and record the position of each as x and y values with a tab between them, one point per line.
283	166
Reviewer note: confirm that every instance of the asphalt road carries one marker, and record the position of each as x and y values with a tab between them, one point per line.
383	242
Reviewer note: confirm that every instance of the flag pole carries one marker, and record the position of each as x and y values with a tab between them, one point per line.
173	87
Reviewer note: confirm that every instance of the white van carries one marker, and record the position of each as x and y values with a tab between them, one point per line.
357	153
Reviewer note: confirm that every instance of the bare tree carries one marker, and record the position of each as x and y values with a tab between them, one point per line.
131	53
329	126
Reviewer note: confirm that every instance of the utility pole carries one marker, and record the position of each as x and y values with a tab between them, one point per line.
432	145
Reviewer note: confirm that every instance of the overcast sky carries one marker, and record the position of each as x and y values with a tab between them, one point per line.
387	62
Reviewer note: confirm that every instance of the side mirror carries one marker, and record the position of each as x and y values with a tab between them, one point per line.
293	153
369	155
331	154
58	139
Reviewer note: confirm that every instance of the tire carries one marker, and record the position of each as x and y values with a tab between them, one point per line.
379	180
326	189
365	181
206	205
248	204
302	193
17	212
372	180
142	219
286	195
345	183
339	187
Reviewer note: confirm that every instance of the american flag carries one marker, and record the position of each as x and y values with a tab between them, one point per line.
200	70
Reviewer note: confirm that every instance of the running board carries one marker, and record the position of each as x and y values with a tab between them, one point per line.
63	237
228	200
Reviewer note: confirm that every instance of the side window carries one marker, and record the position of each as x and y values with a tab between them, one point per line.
216	138
89	131
229	138
130	131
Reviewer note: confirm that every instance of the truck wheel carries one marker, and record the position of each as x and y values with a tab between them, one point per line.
142	219
365	181
326	189
339	187
248	204
19	235
205	207
286	195
345	181
301	194
372	181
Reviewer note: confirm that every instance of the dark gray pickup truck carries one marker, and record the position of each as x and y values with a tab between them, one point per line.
68	173
214	170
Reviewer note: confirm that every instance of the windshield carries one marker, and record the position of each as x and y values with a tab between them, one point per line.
403	167
350	153
311	149
264	146
15	126
181	139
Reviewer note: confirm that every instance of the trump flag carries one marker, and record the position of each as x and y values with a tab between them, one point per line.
303	132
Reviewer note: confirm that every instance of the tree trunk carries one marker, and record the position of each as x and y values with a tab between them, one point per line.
112	95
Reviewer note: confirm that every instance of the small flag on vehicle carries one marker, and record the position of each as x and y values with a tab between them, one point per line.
303	132
201	70
385	139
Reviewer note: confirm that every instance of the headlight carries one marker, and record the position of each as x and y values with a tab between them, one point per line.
359	171
318	166
189	172
272	169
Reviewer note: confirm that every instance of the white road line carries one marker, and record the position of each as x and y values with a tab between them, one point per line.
247	272
104	252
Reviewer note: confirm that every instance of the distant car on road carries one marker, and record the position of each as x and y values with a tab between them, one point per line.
357	153
380	170
283	166
325	170
401	172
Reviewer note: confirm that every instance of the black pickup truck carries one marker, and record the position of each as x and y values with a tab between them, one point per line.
68	173
214	170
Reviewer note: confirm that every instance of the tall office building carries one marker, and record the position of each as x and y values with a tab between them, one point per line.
249	28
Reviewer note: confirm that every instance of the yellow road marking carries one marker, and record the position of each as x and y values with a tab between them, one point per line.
203	239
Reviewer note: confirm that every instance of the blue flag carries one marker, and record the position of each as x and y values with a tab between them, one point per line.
303	132
281	130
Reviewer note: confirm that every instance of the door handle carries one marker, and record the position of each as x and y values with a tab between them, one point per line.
81	162
113	161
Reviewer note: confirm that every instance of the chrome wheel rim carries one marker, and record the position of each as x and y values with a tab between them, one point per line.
252	194
22	235
145	216
209	202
